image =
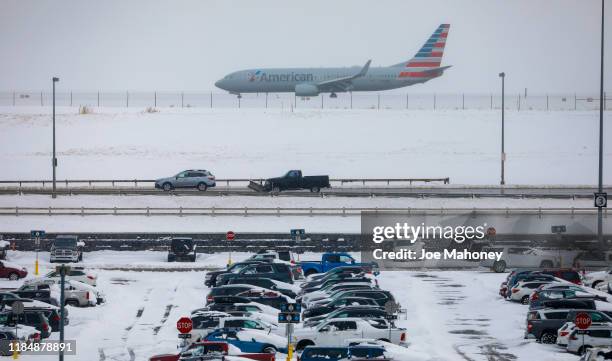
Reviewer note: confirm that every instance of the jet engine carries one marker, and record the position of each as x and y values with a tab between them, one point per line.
306	90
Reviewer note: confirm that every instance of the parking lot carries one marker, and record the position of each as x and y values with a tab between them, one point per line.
450	315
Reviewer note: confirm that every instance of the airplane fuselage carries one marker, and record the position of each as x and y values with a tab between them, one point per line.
278	80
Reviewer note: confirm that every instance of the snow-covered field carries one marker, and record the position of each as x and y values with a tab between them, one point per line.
452	315
556	147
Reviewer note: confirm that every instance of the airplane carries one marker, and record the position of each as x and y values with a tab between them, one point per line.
307	82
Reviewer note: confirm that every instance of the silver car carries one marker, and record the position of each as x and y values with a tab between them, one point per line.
192	178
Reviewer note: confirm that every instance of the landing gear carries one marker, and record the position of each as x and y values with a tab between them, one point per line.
333	95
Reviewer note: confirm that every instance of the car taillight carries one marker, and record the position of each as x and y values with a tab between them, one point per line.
56	317
36	336
209	298
515	290
45	327
90	277
403	337
270	294
87	295
563	333
529	327
534	296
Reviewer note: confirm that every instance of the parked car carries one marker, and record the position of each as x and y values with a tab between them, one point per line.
227	290
308	286
269	255
325	293
285	288
593	259
352	269
76	293
22	333
66	248
347	312
200	179
597	354
592	279
199	350
516	256
543	324
568	274
595	336
330	261
521	291
12	271
249	340
538	297
39	292
235	322
181	249
76	274
379	296
333	332
338	304
210	279
276	271
367	352
527	277
327	284
292	180
29	317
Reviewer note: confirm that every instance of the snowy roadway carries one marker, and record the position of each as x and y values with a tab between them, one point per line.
451	315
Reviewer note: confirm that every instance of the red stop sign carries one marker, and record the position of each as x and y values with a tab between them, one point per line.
583	320
230	236
184	325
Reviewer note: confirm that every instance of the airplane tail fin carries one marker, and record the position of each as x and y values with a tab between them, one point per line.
430	54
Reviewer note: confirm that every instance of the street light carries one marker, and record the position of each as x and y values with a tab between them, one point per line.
502	75
54	160
601	110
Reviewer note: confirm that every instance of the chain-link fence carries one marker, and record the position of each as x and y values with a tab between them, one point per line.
289	100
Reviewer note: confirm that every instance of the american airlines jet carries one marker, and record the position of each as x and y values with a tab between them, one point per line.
306	82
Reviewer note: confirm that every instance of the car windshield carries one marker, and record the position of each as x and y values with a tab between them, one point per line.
65	242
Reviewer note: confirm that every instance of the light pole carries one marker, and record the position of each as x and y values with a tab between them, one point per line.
601	110
54	160
502	75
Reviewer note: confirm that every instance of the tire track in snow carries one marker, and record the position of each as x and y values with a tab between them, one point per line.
166	313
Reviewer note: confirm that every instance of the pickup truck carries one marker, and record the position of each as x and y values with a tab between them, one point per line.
332	260
292	180
39	292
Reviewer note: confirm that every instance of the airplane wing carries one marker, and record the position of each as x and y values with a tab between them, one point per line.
343	83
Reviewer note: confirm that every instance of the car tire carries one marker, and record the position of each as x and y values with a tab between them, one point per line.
167	186
548	337
13	276
302	344
546	264
276	189
525	300
583	349
193	258
499	266
170	258
310	272
202	187
73	303
315	189
269	349
596	283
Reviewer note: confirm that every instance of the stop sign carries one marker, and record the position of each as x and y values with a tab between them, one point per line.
184	325
230	236
583	320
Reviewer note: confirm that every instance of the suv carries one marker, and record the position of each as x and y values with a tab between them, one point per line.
543	324
192	178
581	340
33	318
181	249
210	280
264	283
276	271
66	249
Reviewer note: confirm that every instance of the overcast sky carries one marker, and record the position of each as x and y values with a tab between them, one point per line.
545	45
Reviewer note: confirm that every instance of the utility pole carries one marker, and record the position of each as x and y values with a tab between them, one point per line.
502	75
54	160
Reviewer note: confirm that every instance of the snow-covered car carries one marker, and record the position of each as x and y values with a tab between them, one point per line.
19	333
516	256
334	331
522	290
594	336
330	289
597	354
249	340
208	325
75	293
12	271
77	274
592	279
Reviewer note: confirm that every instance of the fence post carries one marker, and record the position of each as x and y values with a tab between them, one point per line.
406	100
98	98
127	99
518	101
71	98
155	99
491	101
463	101
575	100
434	101
322	101
378	102
266	100
211	99
13	98
351	100
239	102
294	100
182	100
546	101
41	99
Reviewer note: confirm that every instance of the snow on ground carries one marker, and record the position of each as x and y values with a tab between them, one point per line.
451	315
237	223
556	147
